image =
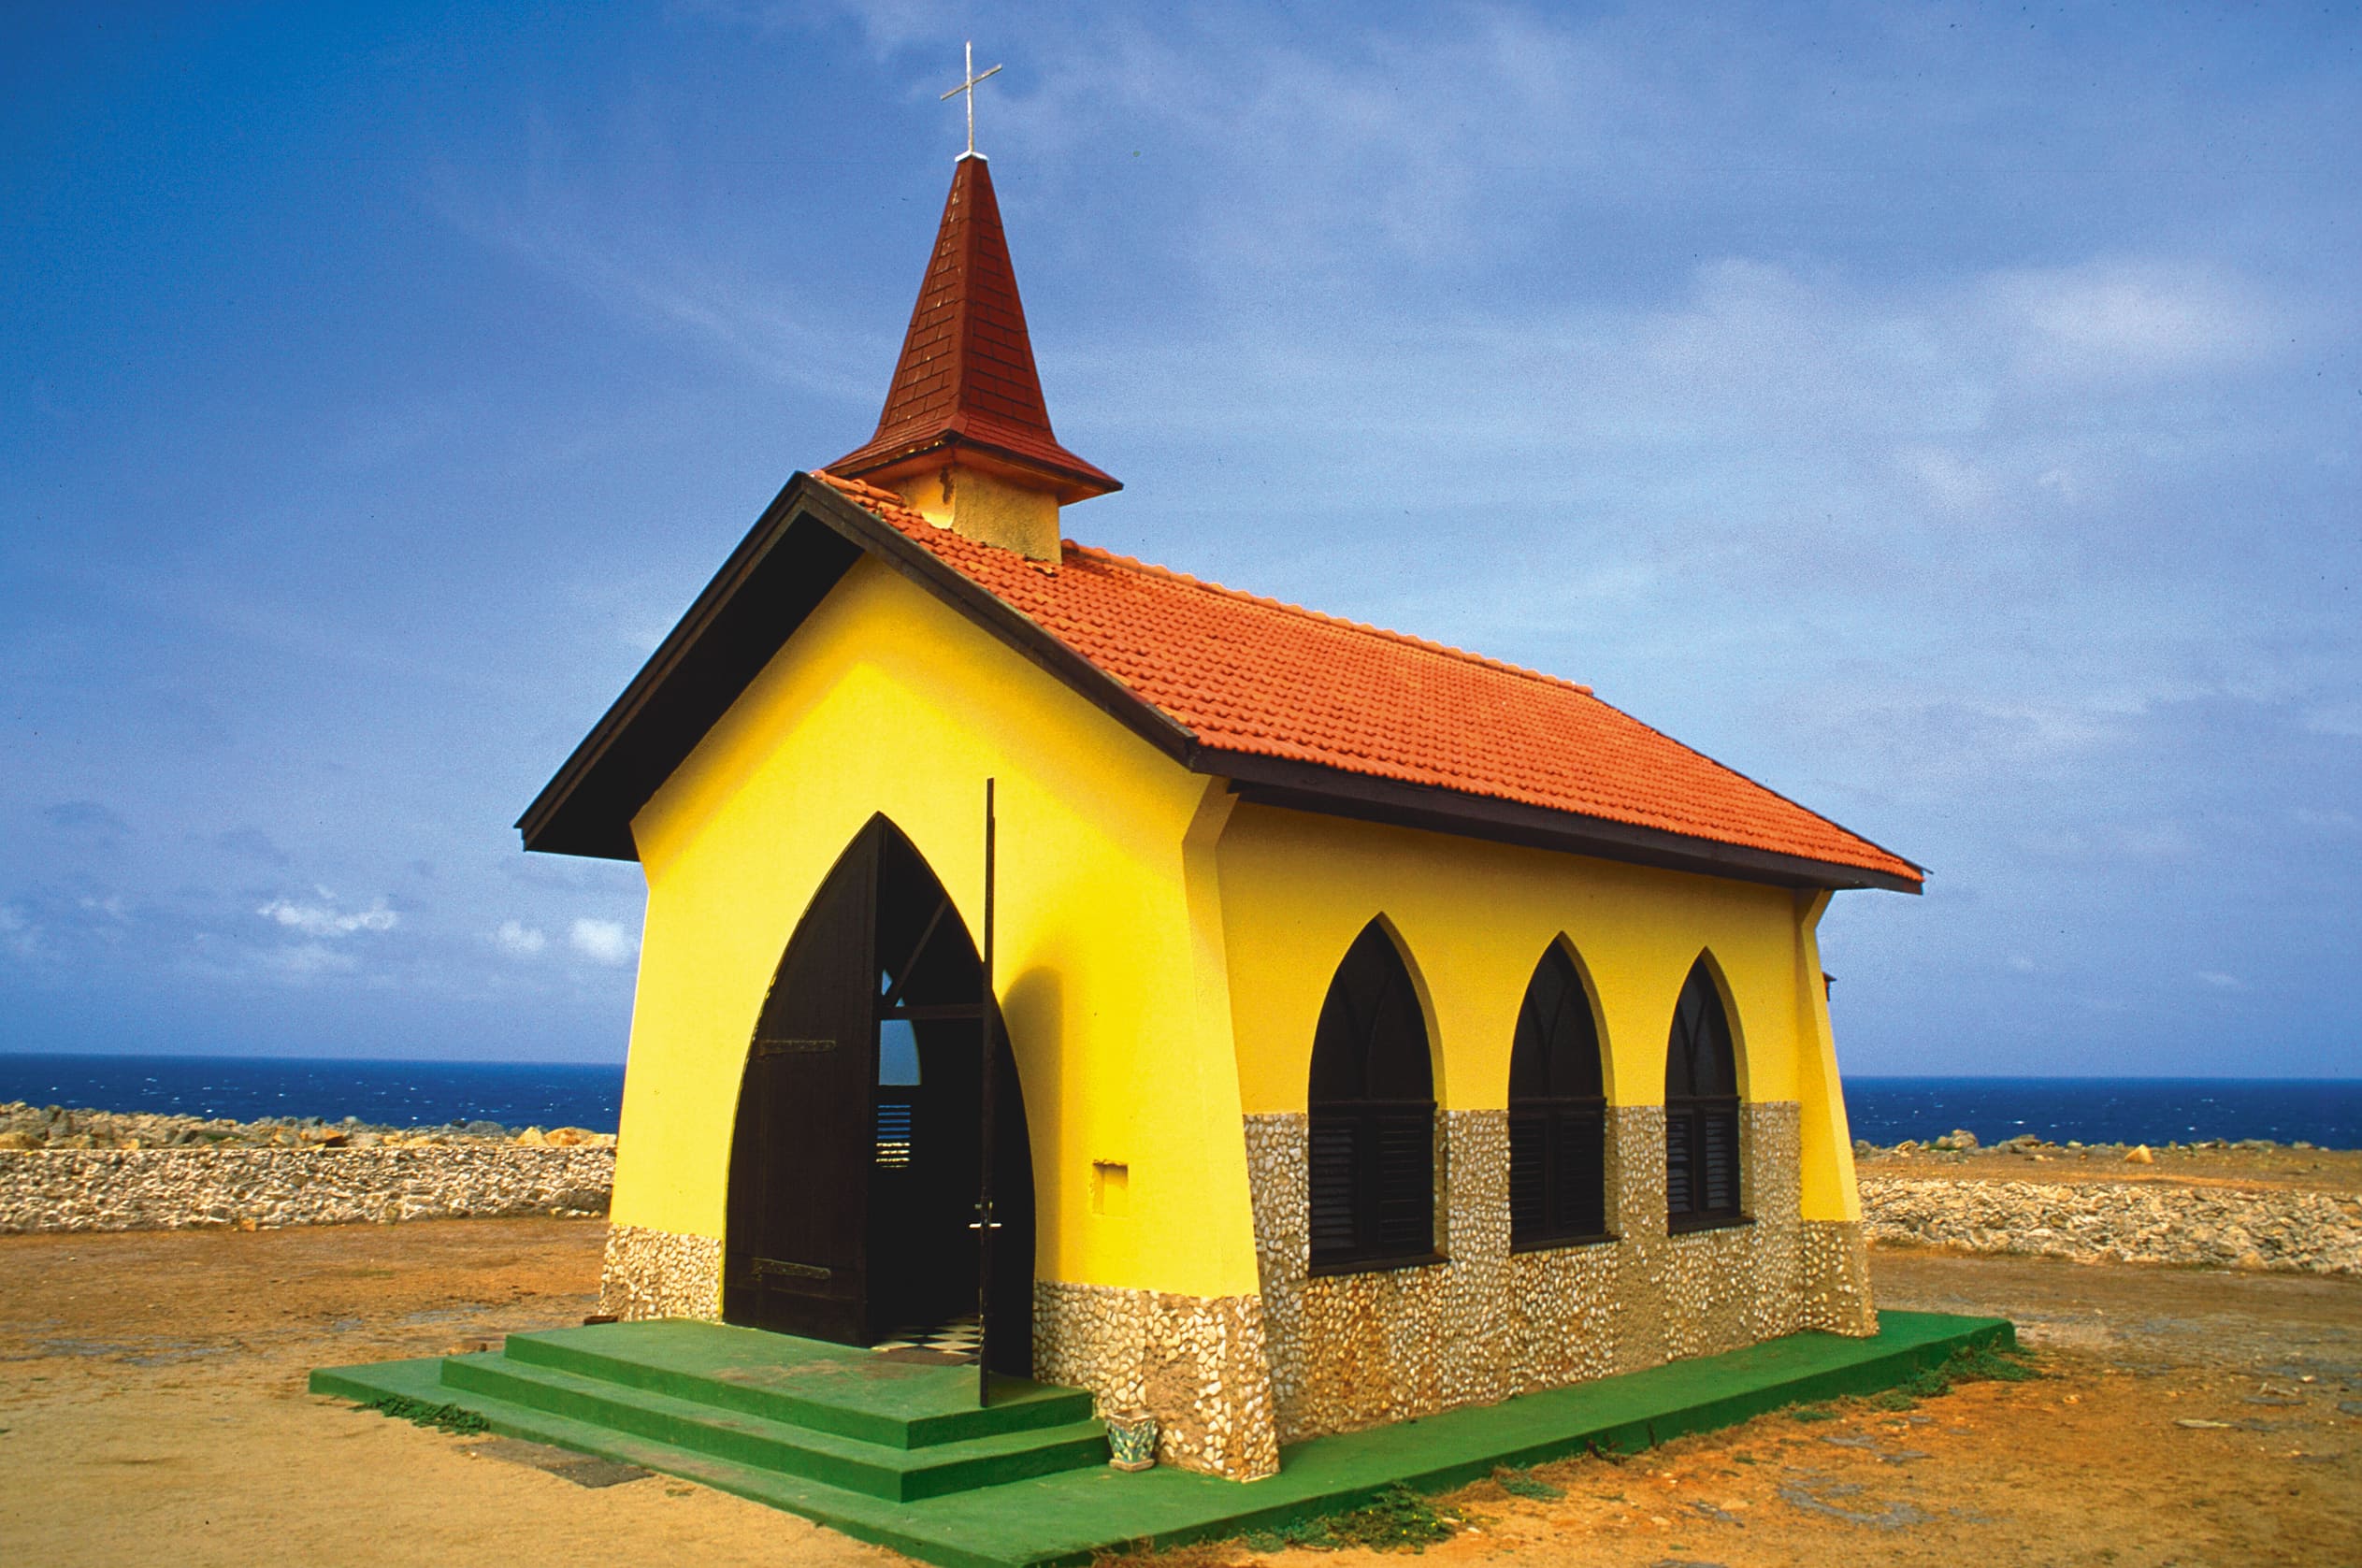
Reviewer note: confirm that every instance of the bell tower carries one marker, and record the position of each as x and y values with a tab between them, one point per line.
965	436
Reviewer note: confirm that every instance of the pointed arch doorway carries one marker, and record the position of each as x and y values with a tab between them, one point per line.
856	1158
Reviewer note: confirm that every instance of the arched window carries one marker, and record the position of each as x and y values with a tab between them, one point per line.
1558	1113
1372	1132
1701	1110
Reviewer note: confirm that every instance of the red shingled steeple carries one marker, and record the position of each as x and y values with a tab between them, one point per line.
966	385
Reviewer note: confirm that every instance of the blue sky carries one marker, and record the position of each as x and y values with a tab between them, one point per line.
1947	415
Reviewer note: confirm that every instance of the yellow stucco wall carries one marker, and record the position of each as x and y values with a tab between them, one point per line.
1474	918
1164	949
1109	971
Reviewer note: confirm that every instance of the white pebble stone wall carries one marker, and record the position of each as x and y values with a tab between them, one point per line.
660	1273
264	1189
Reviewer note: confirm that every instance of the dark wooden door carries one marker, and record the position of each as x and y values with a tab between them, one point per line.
795	1257
852	1201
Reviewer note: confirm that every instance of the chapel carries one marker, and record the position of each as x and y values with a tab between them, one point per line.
1331	1027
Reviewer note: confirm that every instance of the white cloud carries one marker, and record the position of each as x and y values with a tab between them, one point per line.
19	935
1949	480
2220	980
305	959
2154	840
522	940
562	222
324	919
603	941
2110	317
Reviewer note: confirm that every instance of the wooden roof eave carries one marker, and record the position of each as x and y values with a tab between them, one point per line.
769	585
1309	787
587	805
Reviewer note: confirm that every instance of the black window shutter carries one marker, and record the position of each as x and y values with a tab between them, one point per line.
1718	1130
1557	1152
1680	1195
1404	1182
1336	1180
1579	1170
1372	1152
1701	1108
1529	1185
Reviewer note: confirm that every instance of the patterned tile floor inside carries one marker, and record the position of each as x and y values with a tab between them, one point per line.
956	1336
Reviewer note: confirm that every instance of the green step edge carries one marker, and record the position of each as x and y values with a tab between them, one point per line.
1067	1519
1019	1403
895	1475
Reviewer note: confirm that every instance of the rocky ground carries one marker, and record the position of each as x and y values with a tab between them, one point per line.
56	1127
2289	1208
151	1402
2247	1162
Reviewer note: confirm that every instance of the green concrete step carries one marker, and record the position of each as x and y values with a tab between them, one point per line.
758	1442
1070	1516
912	1528
835	1388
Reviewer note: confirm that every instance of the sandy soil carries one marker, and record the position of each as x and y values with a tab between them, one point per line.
152	1405
152	1390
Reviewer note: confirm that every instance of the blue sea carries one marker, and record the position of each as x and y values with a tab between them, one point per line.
387	1093
2327	1113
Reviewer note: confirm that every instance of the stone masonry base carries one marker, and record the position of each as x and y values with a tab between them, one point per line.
660	1273
1198	1365
1230	1379
1357	1350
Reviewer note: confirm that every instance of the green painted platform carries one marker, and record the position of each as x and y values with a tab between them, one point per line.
899	1454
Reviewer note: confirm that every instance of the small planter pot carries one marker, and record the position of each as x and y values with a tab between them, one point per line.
1132	1439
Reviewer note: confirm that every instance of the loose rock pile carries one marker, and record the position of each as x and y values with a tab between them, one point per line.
54	1127
2195	1220
109	1171
1959	1140
2121	1222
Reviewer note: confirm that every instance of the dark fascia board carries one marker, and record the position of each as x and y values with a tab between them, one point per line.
802	545
1309	787
687	685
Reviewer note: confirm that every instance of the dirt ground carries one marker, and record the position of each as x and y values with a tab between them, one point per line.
152	1407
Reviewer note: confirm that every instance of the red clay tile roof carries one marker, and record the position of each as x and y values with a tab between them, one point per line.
966	375
1246	674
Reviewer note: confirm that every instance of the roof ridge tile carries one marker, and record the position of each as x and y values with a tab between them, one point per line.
1246	675
1366	627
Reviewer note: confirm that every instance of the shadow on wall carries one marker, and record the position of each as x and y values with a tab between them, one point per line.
1034	1009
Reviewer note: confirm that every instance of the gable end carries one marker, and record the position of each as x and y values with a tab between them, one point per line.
800	549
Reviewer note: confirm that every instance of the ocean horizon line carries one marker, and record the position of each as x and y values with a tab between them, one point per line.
612	1064
441	1092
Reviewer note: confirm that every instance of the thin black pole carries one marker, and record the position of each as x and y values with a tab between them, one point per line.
985	1224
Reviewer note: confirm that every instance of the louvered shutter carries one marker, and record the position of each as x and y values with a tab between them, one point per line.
1680	1195
1405	1182
1529	1178
1336	1180
1578	1187
894	1128
1718	1179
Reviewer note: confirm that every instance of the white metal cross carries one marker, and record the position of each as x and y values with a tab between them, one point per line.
969	87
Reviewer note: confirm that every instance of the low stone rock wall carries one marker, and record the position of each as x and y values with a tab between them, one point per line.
2122	1222
261	1188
